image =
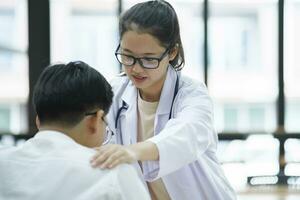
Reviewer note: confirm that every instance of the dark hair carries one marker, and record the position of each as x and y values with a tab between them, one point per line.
159	19
64	93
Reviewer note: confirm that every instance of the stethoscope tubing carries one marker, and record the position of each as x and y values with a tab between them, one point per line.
125	106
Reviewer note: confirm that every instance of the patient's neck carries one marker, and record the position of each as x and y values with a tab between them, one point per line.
72	132
51	127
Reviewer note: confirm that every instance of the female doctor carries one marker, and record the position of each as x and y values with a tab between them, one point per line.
163	120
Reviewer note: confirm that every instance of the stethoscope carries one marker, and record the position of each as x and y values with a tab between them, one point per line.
125	106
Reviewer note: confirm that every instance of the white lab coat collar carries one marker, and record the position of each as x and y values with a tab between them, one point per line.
130	93
129	96
167	94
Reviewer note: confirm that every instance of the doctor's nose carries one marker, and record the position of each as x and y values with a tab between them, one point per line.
137	67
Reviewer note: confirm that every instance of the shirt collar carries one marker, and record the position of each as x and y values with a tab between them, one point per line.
130	93
55	137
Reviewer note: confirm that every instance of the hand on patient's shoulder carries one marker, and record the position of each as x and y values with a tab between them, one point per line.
111	155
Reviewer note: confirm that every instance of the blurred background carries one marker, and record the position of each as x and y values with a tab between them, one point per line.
246	51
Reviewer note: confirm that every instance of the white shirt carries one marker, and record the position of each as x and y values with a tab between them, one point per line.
53	166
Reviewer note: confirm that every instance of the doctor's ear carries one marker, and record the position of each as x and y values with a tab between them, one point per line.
173	53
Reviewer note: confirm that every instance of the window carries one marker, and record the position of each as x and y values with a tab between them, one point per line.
230	118
6	19
4	119
292	65
236	48
243	62
87	31
293	115
242	117
13	65
257	117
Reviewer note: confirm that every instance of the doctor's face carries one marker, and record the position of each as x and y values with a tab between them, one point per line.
143	45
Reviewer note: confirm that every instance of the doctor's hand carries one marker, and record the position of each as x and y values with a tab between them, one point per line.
111	155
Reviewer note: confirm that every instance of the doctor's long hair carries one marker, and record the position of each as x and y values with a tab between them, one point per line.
159	19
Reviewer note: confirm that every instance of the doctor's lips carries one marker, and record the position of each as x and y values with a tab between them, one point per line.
138	78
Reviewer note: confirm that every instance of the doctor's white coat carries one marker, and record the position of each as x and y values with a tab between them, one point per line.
187	143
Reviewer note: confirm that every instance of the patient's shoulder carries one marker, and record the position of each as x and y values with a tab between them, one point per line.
127	172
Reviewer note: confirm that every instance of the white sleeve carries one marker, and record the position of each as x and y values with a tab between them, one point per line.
130	184
187	136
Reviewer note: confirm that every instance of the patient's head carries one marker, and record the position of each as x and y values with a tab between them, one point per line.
73	98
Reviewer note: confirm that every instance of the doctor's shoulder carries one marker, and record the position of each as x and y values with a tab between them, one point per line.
119	83
191	87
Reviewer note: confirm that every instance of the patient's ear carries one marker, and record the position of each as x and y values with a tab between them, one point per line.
93	122
37	122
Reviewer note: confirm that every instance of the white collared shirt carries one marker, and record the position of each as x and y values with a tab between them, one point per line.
53	166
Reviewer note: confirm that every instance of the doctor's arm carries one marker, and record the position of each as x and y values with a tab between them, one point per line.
111	155
186	137
182	140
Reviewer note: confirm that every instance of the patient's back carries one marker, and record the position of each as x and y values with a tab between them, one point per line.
53	166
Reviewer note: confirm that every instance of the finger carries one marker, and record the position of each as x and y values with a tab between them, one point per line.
116	163
102	157
116	157
96	155
102	150
125	156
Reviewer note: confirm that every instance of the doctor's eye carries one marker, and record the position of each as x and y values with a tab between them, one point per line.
125	59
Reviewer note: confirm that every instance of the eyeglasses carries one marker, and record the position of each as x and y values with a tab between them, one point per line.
108	132
145	62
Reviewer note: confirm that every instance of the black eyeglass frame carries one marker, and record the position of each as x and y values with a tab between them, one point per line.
140	58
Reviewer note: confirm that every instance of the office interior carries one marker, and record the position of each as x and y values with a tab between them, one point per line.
246	52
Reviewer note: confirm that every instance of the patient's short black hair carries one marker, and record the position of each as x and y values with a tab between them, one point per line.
64	93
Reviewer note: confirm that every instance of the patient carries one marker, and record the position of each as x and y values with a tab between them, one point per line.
71	102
